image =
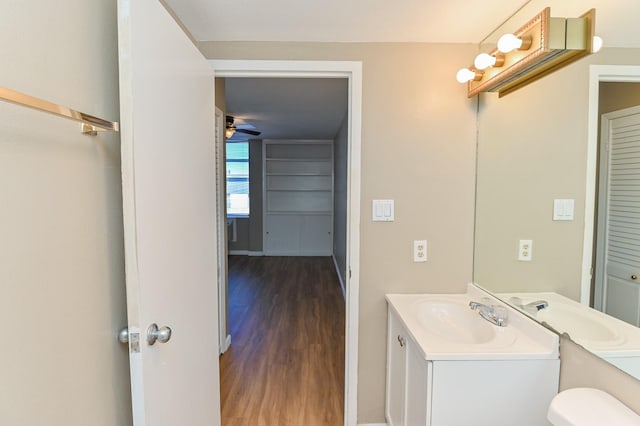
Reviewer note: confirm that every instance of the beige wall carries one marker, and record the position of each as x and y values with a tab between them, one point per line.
418	148
615	96
62	297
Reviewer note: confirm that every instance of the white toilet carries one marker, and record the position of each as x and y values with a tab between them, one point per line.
589	407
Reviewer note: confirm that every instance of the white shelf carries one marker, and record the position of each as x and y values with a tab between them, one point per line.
299	213
298	197
299	190
318	160
298	174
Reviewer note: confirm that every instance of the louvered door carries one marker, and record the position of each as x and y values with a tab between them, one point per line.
619	222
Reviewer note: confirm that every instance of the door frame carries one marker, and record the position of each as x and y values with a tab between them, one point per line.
224	339
352	70
597	73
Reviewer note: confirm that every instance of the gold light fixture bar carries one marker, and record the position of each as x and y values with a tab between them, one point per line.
555	43
90	124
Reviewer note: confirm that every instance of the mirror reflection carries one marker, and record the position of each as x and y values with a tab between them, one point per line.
557	212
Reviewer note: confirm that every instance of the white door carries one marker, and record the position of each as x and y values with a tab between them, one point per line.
618	247
169	207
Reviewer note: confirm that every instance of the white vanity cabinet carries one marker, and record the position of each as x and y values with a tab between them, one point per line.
407	379
451	389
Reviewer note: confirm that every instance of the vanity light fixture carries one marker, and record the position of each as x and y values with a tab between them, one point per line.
484	61
509	42
540	47
465	75
596	44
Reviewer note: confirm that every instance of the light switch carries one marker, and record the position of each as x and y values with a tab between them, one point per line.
382	211
563	209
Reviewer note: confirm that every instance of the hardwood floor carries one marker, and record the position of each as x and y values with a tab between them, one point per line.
286	361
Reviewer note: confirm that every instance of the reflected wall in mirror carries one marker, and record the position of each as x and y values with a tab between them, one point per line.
538	145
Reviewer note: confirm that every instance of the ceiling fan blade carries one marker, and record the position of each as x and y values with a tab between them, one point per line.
248	131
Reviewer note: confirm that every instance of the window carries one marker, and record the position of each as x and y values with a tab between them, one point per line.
237	179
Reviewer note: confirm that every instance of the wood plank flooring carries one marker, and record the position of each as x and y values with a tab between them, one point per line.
286	361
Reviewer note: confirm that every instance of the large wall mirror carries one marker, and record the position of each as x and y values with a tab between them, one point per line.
539	154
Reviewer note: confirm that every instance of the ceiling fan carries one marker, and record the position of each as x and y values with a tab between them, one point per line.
231	128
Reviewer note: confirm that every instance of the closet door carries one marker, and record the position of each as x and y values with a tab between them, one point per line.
619	222
298	198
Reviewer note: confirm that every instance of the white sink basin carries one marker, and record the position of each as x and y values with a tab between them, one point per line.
454	321
445	328
584	325
578	323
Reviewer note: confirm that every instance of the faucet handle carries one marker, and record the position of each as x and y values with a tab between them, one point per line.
501	314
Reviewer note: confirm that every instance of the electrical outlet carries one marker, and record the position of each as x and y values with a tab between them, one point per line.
420	251
525	250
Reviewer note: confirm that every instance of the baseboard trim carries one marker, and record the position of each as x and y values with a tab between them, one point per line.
246	253
238	252
298	253
340	278
372	424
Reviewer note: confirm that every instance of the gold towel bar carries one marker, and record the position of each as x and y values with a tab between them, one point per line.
90	124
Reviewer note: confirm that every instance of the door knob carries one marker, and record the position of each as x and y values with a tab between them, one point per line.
123	335
154	333
634	277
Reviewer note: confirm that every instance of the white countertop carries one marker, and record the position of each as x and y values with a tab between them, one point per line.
522	338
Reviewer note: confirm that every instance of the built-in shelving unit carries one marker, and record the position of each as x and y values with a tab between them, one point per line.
298	197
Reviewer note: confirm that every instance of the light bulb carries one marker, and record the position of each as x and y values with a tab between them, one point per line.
465	75
509	42
597	44
484	60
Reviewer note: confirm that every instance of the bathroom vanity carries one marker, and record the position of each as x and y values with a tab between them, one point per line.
446	365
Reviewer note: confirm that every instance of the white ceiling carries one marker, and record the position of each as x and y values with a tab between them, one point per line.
343	20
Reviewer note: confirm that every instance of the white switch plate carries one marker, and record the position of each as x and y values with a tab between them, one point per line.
563	209
382	210
420	251
525	250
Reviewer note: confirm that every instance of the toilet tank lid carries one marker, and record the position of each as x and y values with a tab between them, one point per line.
588	406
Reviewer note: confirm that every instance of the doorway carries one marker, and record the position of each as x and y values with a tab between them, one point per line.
617	247
599	76
352	71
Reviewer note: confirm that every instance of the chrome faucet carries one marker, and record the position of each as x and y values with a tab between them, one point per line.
531	307
538	305
494	314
